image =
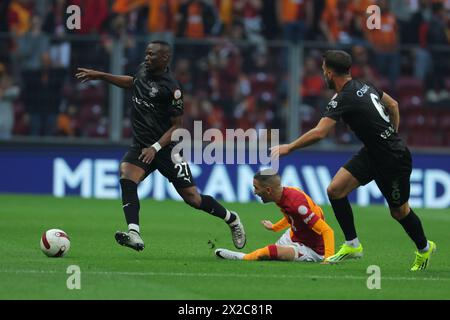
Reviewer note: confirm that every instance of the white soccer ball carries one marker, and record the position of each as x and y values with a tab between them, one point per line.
55	243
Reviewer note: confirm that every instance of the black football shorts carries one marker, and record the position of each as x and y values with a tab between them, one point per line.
393	180
178	172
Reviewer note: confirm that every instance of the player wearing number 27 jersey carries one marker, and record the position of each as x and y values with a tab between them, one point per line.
374	118
156	114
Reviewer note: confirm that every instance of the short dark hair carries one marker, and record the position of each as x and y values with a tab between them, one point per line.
268	177
165	44
338	60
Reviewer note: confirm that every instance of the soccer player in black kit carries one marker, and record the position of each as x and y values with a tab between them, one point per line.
156	113
374	118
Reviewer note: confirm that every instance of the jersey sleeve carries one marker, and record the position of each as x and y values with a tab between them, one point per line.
335	108
300	205
176	104
378	91
323	229
281	225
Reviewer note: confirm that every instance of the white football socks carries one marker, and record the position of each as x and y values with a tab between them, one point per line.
426	248
240	255
228	217
353	243
134	227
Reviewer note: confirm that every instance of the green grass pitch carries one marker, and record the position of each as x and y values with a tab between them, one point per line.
179	262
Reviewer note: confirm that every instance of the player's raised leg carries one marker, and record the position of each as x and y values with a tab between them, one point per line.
130	176
210	205
413	227
342	184
270	252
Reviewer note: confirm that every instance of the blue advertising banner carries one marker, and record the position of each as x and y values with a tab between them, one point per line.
93	172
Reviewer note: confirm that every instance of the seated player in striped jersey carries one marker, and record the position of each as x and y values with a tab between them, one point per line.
309	237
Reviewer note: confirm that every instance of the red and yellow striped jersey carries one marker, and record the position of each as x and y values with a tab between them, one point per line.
306	220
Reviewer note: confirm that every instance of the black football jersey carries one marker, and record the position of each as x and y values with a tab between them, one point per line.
156	98
359	106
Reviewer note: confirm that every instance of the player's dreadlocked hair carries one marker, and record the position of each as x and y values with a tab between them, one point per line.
338	60
268	177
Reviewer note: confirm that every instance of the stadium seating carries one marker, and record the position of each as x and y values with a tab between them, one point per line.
409	86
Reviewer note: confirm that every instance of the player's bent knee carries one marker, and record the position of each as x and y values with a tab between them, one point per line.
131	172
334	192
130	177
193	200
287	253
400	212
396	214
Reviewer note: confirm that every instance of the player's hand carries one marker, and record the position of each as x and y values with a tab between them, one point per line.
147	155
279	151
87	74
267	224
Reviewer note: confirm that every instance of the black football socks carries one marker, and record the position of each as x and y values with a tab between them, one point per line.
344	215
211	206
413	227
130	202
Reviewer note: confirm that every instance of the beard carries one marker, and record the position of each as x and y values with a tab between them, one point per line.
330	84
263	199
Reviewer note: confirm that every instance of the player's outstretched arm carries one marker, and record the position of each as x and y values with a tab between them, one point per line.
125	82
280	225
267	224
392	106
314	135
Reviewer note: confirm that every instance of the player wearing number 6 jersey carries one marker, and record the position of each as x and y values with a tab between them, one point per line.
156	113
308	238
374	118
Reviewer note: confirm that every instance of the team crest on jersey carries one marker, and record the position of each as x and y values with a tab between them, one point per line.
302	210
153	89
177	94
332	104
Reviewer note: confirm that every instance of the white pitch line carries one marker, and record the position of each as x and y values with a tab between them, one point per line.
223	275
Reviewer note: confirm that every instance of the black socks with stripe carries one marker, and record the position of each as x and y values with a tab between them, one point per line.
211	206
344	215
413	227
130	202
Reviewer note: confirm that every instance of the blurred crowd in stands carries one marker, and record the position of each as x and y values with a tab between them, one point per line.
241	79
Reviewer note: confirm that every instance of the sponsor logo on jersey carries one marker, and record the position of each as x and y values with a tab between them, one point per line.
362	91
142	102
153	89
308	219
332	104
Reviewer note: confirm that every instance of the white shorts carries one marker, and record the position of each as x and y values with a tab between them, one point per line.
302	252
